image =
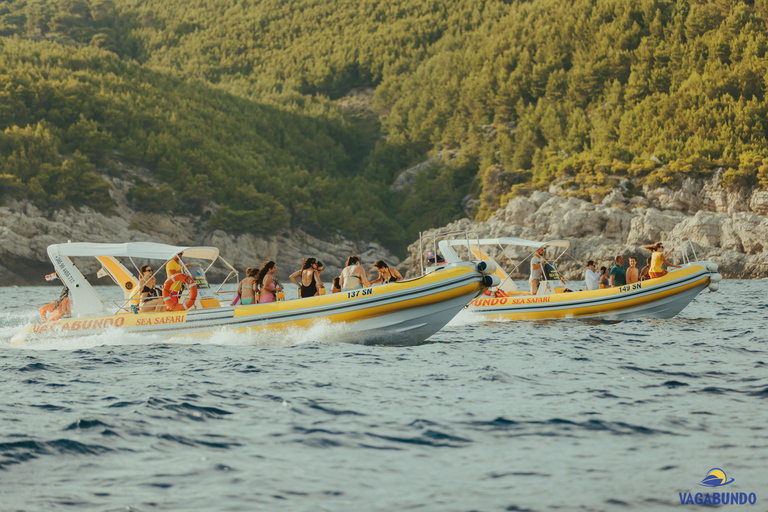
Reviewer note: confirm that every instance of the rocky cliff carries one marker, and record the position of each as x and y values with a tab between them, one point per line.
26	232
729	228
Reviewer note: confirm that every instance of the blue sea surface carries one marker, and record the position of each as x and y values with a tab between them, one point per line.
516	416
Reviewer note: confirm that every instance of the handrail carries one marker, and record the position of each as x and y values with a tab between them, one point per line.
683	243
443	234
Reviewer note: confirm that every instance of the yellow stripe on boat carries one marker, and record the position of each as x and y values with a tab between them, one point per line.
486	306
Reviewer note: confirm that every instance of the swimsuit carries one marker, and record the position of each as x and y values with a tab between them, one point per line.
249	300
358	287
308	291
267	297
152	294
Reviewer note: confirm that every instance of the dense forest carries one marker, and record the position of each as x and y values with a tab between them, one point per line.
237	111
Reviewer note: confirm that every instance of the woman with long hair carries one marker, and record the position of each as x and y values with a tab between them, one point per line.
151	298
248	286
387	274
353	276
658	258
267	287
308	286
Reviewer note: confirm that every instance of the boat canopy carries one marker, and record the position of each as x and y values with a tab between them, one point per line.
148	250
511	241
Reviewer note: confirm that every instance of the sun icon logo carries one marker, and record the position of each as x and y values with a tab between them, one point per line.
715	478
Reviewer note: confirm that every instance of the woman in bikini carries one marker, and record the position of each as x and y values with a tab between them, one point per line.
353	276
387	274
150	300
247	287
267	287
657	259
310	277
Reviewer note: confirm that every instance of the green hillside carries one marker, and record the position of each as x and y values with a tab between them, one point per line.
231	108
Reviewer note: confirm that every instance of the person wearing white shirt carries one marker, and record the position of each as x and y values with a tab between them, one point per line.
536	271
591	277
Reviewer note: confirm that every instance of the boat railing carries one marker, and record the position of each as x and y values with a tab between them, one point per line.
685	244
469	236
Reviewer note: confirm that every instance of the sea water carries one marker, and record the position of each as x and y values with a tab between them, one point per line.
557	415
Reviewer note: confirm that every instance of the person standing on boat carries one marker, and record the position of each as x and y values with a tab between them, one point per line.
618	276
658	258
171	268
353	276
632	272
591	277
536	271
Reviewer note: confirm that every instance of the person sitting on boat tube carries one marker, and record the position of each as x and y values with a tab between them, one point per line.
57	309
246	289
658	258
536	271
308	278
591	277
645	273
618	276
353	276
387	274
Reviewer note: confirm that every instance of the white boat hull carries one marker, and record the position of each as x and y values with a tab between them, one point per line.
664	297
404	313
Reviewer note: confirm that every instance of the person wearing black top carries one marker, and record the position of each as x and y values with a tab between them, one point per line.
387	274
309	278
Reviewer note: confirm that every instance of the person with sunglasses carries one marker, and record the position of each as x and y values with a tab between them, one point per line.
658	258
151	299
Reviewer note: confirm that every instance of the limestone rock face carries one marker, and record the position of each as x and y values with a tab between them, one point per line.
26	232
728	227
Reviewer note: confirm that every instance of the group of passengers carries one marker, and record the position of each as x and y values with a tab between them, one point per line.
260	285
618	276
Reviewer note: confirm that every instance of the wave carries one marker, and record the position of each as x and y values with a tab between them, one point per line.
320	332
22	451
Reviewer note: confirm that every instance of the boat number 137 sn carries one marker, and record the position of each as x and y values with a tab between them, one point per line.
360	293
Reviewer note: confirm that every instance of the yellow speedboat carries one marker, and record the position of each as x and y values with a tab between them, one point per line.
662	297
402	313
